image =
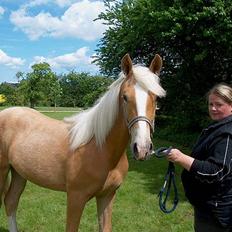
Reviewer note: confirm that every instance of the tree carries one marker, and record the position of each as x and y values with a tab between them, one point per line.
95	86
52	90
40	85
82	89
9	90
72	90
193	36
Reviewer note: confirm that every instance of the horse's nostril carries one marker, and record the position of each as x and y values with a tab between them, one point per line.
135	148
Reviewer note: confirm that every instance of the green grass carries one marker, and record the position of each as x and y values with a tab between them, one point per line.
135	209
58	109
59	115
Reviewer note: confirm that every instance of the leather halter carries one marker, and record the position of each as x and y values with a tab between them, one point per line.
136	119
141	118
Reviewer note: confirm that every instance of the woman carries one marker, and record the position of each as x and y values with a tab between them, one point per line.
207	175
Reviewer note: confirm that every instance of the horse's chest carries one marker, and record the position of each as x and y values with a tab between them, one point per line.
113	181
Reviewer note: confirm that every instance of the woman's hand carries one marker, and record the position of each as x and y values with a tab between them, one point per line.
176	156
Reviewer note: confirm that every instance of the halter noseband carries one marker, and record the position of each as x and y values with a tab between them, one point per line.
141	118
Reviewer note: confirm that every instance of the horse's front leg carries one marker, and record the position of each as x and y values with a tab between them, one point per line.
75	206
104	210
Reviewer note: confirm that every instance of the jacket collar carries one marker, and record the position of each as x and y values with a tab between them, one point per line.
220	123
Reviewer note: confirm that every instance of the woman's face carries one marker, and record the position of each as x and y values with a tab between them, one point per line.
218	108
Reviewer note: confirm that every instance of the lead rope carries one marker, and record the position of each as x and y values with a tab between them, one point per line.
169	180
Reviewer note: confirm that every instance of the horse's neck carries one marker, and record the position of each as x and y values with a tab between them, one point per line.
118	137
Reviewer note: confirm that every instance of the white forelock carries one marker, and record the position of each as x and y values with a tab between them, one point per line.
148	80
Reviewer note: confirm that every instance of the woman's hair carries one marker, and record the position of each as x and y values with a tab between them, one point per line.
222	90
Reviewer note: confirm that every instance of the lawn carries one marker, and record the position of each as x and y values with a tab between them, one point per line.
135	209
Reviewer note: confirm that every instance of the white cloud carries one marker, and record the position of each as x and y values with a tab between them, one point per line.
63	3
2	11
76	60
41	25
12	62
35	3
77	21
60	3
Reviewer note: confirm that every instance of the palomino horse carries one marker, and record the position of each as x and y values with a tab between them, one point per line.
85	154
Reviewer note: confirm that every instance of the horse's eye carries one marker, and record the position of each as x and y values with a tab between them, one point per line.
125	98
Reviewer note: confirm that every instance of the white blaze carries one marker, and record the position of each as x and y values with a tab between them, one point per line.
143	130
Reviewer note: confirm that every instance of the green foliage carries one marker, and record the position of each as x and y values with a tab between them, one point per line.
42	87
194	38
12	94
81	89
39	85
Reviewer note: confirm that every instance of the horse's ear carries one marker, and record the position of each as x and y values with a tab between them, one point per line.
126	64
156	64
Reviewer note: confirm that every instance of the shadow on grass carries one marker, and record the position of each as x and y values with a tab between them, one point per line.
3	229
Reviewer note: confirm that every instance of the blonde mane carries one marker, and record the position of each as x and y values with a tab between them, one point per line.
99	119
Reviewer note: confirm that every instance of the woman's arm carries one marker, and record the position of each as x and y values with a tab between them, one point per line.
215	167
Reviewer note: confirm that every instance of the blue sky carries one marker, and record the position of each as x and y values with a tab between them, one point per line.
62	33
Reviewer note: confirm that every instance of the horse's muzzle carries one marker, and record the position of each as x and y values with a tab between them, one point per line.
141	152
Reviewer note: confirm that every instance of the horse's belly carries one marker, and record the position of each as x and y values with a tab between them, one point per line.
48	175
44	166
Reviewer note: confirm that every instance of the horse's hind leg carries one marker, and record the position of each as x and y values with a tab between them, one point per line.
4	169
13	194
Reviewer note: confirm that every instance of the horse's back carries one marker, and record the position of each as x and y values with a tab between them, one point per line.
18	121
18	116
36	145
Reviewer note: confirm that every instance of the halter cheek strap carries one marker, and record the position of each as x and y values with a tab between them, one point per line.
141	118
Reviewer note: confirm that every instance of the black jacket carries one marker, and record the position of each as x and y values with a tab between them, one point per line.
208	184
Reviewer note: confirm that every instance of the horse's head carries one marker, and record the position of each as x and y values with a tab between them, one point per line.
139	100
